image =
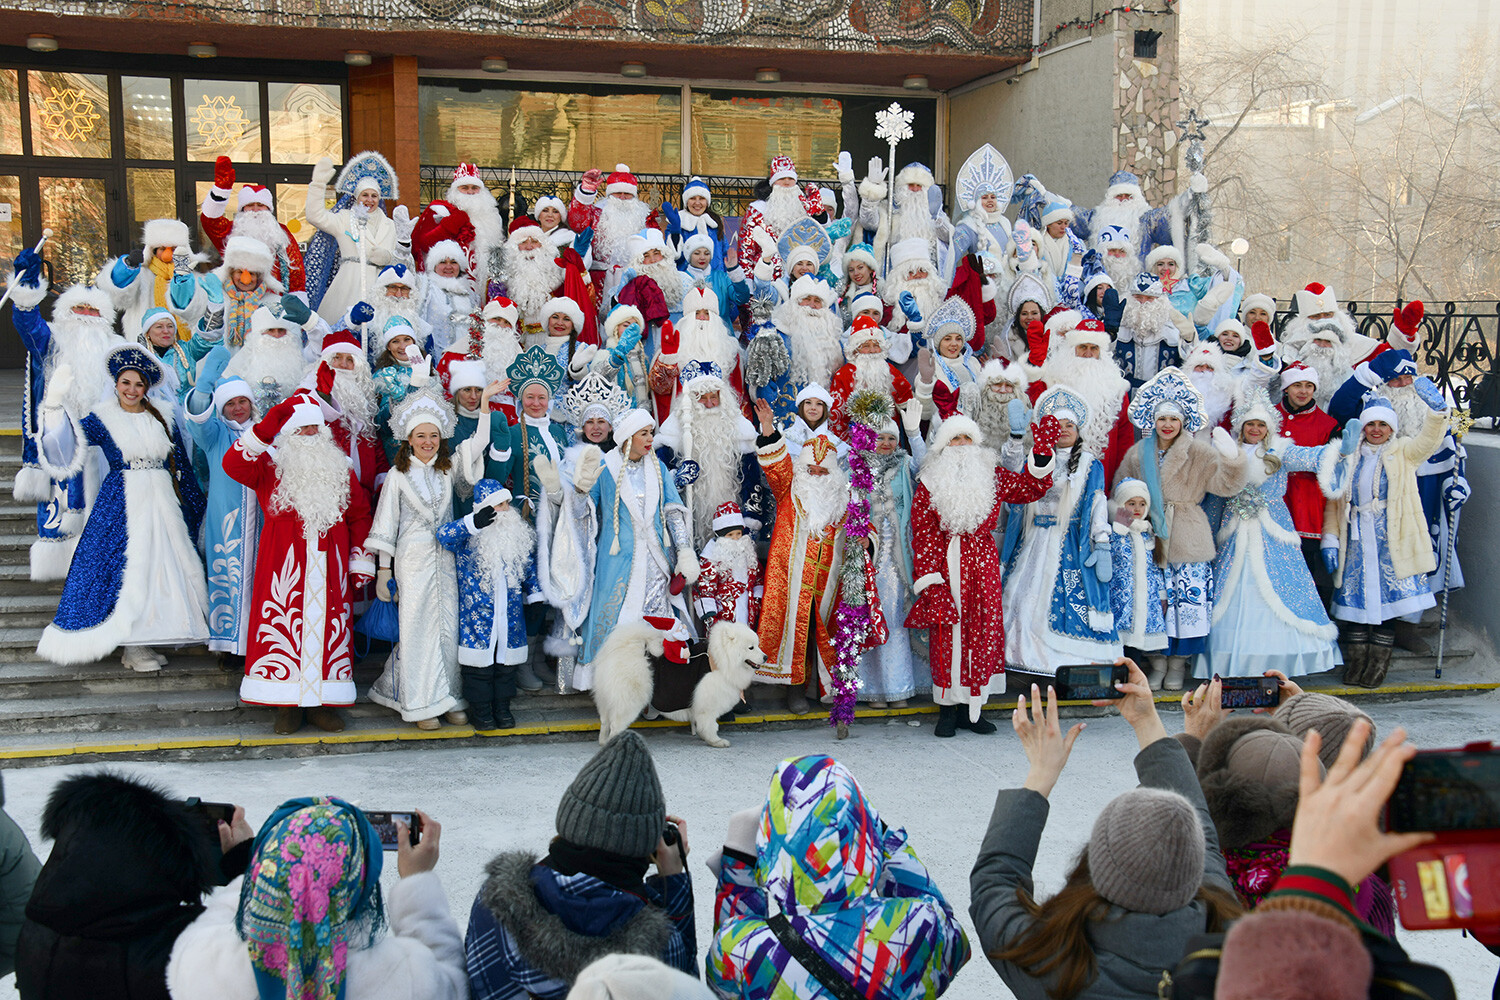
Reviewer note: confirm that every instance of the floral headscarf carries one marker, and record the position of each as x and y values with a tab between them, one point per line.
311	893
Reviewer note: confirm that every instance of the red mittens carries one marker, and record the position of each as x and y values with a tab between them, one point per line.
1044	435
1260	332
1409	317
223	173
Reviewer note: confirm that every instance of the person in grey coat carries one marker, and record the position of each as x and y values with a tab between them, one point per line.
18	871
1151	878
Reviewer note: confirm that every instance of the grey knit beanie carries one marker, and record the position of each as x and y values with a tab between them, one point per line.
615	804
1330	716
1146	851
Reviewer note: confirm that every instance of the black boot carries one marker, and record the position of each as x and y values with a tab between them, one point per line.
1382	644
503	689
478	692
947	723
1354	641
980	726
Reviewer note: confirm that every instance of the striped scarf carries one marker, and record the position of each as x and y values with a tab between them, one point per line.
163	272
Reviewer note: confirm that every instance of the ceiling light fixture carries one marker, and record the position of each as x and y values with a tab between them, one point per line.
494	64
357	57
202	50
767	74
633	69
915	82
41	43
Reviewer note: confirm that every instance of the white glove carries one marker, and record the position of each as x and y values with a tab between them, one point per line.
911	415
764	269
845	167
1198	183
58	387
546	474
944	227
421	368
589	464
323	171
1212	257
875	170
1224	443
439	211
404	225
764	240
383	589
687	565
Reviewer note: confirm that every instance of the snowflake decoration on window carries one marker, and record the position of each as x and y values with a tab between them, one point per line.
69	114
893	124
221	122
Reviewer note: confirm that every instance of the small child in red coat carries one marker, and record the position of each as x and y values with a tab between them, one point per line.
729	587
1305	422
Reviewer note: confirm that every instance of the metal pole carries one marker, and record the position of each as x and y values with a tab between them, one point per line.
1447	578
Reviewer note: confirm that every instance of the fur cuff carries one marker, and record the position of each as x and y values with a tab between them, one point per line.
252	444
925	582
23	296
32	485
1040	471
361	563
871	190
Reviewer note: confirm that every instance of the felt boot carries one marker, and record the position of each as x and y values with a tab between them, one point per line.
502	690
1354	640
479	693
326	719
527	678
1378	663
947	721
288	720
980	726
1156	671
1177	668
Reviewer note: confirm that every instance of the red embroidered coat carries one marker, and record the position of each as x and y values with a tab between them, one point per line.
1304	497
842	387
754	218
289	269
720	596
298	652
965	632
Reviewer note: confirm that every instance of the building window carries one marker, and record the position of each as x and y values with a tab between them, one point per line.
223	119
147	102
307	122
10	112
69	114
736	134
1145	43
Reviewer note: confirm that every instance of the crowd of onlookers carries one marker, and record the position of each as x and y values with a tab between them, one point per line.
817	893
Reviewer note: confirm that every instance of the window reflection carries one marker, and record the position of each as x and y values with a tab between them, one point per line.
10	232
307	122
69	114
223	119
152	195
737	134
10	112
147	106
551	130
73	208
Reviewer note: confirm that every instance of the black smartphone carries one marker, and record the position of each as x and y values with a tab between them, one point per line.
211	812
1090	682
385	827
1249	692
1444	790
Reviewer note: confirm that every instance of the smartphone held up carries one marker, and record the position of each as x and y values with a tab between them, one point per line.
1090	681
385	827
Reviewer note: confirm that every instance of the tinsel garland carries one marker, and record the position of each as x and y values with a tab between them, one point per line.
851	617
766	359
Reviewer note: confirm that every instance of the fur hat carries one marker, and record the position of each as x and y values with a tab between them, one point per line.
1101	278
621	181
813	391
1164	252
1330	717
1001	370
615	804
699	297
445	250
862	252
244	253
164	233
1258	300
83	295
466	374
647	239
636	977
910	251
1316	298
255	194
782	166
914	173
1146	851
1123	182
696	187
1113	238
395	274
264	319
1129	488
1315	959
1057	211
865	302
523	228
501	308
1379	408
1089	332
808	285
566	306
553	202
801	252
394	327
1230	323
1249	768
951	428
1204	353
621	316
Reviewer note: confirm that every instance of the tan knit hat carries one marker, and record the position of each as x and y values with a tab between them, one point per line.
1330	716
1146	851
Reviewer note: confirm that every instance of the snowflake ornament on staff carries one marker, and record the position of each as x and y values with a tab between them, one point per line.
893	124
1200	213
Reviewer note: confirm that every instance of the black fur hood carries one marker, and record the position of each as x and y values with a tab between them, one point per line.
125	854
1244	811
544	940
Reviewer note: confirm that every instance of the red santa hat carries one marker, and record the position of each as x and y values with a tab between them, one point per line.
501	307
622	181
782	166
1089	331
1316	298
1298	372
727	517
255	194
522	228
1060	320
341	342
465	173
306	412
674	636
952	428
865	330
566	306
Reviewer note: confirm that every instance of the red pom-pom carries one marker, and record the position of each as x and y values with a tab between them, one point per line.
1317	288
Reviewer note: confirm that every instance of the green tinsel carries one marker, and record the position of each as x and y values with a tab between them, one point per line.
870	408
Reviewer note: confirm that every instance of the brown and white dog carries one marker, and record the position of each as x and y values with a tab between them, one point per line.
633	670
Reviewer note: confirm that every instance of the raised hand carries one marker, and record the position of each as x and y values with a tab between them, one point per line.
1046	747
765	416
223	173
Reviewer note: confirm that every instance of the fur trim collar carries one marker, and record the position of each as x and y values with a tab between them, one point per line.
540	936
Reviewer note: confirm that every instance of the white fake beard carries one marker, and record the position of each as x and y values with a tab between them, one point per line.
814	334
929	293
981	405
735	557
667	278
81	343
1332	366
1217	389
717	453
707	340
1121	270
484	216
1146	321
619	219
530	276
1125	214
783	208
354	391
260	226
312	479
872	372
824	500
387	309
501	346
504	547
913	219
461	285
278	359
1103	388
961	482
1411	411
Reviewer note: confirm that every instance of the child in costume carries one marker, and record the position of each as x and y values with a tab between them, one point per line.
1137	588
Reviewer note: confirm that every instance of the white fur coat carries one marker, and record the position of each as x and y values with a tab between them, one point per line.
420	958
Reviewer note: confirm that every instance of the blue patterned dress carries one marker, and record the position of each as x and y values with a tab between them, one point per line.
231	533
1266	612
1137	588
490	631
1369	591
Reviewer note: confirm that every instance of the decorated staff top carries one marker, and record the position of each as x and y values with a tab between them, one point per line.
985	171
893	124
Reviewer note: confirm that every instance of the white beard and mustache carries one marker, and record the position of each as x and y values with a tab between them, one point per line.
312	479
707	340
386	309
783	208
913	218
823	500
354	391
1332	366
81	342
278	360
1121	270
501	346
504	549
735	557
715	448
1217	389
1411	411
619	219
814	333
484	216
961	482
530	277
872	372
1146	321
664	272
981	405
1099	382
929	293
1127	215
260	226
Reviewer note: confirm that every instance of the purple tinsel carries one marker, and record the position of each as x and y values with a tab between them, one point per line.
851	622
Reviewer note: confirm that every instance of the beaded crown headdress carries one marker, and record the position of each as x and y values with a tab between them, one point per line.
535	364
372	165
1169	386
984	170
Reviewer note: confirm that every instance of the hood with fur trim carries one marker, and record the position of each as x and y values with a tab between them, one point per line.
79	295
1243	811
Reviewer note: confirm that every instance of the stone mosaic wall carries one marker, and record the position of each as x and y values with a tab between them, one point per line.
1147	105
